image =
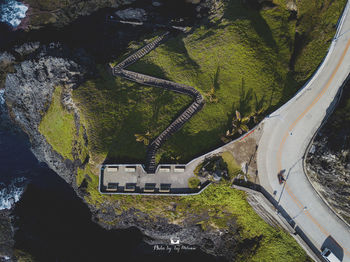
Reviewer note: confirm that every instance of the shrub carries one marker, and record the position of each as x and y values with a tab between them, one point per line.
194	182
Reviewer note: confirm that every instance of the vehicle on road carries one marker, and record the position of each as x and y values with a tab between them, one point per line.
329	256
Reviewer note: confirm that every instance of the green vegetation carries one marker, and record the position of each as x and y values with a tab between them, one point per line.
58	126
219	206
193	182
115	110
60	130
232	167
239	126
42	19
247	60
223	204
316	28
214	164
48	5
144	138
23	256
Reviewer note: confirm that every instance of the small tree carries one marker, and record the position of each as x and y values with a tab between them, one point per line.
211	96
194	182
144	138
239	125
175	158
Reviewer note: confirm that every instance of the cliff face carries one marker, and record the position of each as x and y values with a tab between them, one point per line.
328	161
59	13
28	94
6	236
7	231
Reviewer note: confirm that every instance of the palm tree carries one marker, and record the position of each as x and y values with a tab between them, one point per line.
175	158
145	138
211	95
239	125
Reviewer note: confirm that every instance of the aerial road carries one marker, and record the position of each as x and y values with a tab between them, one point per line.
286	136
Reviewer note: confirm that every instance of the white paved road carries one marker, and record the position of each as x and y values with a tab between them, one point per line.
286	135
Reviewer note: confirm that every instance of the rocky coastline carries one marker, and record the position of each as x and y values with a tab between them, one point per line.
328	161
6	235
28	92
32	71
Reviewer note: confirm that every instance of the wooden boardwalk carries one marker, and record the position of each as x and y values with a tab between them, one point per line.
197	104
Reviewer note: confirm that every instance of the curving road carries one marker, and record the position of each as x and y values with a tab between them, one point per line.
286	135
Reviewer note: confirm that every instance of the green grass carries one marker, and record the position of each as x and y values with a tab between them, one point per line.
60	130
244	55
232	167
58	126
316	28
193	182
115	110
219	206
224	203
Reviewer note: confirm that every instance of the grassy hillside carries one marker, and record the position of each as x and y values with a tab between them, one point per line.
242	59
316	27
219	206
60	130
115	110
58	126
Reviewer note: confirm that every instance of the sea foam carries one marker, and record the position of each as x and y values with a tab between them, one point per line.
11	193
2	99
12	12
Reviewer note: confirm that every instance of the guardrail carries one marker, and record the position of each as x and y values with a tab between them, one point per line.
286	218
140	190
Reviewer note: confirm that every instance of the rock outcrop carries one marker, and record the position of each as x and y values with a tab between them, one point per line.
28	94
6	236
328	161
8	253
61	13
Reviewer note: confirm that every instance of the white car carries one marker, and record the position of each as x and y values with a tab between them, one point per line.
329	256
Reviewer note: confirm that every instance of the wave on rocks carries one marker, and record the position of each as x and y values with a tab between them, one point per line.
11	193
2	99
12	12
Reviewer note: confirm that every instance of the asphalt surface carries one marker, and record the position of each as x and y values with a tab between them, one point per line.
286	135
